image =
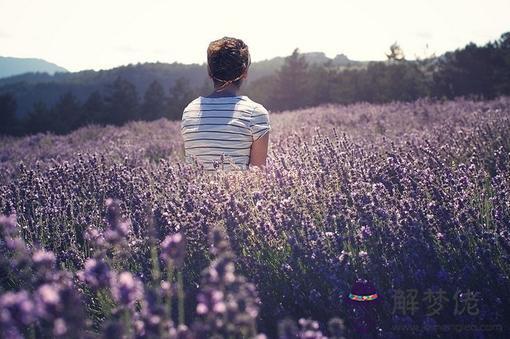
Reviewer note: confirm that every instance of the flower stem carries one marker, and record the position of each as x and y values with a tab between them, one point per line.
170	296
180	295
127	322
156	276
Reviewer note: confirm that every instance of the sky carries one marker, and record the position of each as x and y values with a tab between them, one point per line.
101	34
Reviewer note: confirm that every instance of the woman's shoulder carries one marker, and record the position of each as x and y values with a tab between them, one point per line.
258	108
193	102
190	106
255	106
243	100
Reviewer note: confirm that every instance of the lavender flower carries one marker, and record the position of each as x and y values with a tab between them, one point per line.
48	300
118	227
96	274
44	259
126	289
336	328
95	237
173	249
430	200
16	309
8	223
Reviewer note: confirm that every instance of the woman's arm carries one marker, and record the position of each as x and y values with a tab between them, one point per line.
258	153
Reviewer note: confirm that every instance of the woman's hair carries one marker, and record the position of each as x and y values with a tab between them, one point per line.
228	58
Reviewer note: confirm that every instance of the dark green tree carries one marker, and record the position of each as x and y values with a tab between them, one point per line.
94	110
347	86
38	119
67	114
321	79
262	89
467	71
154	102
292	88
502	64
9	123
396	53
181	94
504	41
122	104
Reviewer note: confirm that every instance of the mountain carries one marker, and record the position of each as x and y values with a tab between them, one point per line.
13	66
31	88
267	67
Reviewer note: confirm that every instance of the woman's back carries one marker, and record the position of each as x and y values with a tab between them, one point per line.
227	125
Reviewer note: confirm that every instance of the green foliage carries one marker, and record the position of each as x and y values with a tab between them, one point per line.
38	120
154	102
66	115
475	70
8	121
482	71
180	95
396	53
292	85
94	109
122	102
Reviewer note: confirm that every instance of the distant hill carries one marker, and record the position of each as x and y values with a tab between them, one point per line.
31	88
267	67
13	66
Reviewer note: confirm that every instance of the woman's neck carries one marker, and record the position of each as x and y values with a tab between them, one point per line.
227	92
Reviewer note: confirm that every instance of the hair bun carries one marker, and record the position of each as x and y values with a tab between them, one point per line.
228	58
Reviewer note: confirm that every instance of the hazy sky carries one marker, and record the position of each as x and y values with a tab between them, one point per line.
94	34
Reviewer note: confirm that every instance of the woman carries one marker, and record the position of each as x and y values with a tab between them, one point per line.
224	129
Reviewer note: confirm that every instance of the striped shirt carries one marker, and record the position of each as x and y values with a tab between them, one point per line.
212	127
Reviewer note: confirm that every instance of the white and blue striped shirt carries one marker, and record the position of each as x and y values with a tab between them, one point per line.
211	127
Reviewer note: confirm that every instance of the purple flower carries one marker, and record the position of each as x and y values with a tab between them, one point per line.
94	236
366	232
48	300
336	328
16	309
126	289
8	223
44	259
219	241
118	227
363	254
181	332
310	329
59	327
96	274
173	249
118	232
287	329
17	245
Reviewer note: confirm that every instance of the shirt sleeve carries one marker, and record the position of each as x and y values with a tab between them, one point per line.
259	122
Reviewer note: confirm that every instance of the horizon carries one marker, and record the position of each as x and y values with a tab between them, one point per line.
93	36
171	62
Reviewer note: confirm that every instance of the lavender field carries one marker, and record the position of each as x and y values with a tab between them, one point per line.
107	233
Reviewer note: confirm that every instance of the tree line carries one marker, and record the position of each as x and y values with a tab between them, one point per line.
116	105
481	71
475	71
